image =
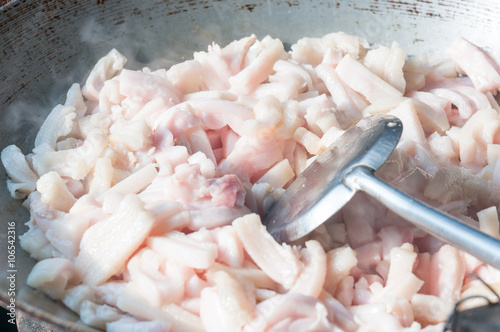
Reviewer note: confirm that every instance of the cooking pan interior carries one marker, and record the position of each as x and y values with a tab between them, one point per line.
45	46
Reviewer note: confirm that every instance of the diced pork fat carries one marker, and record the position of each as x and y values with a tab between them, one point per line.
132	325
144	195
22	179
51	276
259	69
483	71
278	261
106	68
107	245
359	78
228	305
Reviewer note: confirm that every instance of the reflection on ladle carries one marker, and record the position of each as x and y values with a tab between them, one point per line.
347	166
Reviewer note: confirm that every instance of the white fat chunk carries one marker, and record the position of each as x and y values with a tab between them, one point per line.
75	296
279	262
74	163
488	221
22	178
130	324
74	98
185	250
134	183
340	261
227	306
51	276
388	64
134	135
54	192
278	175
180	319
359	78
102	177
97	315
58	124
106	246
312	278
106	68
36	243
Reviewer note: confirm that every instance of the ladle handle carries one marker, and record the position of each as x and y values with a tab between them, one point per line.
436	223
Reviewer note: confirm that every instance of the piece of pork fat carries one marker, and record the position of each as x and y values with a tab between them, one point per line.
253	153
481	129
58	123
146	86
475	63
63	230
215	71
98	315
107	245
339	263
345	99
181	320
291	312
228	305
162	282
186	76
54	192
51	276
359	78
22	179
488	221
184	249
279	262
74	163
259	69
35	243
388	64
312	278
447	273
312	50
106	68
430	309
131	324
235	53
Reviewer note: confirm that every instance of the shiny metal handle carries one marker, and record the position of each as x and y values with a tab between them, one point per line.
436	223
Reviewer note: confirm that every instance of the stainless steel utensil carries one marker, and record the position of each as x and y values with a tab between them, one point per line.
347	166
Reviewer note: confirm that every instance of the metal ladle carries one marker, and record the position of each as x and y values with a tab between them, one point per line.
347	166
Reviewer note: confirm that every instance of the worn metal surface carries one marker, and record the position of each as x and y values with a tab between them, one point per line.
45	45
